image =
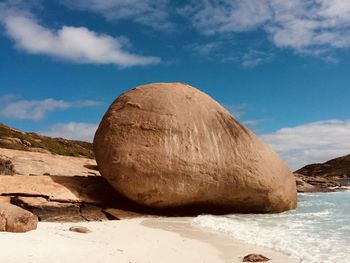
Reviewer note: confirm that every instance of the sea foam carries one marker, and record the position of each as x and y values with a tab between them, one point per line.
318	231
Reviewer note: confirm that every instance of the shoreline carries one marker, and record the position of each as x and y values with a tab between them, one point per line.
230	249
131	241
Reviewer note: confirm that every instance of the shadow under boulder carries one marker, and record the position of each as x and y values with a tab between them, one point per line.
64	198
83	198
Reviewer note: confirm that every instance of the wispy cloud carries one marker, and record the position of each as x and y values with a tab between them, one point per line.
255	124
211	17
75	44
314	27
153	13
237	110
253	58
241	113
311	143
227	52
205	49
73	131
15	108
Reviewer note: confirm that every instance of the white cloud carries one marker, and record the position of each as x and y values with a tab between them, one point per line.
313	27
310	25
15	108
152	13
75	44
311	143
31	109
73	131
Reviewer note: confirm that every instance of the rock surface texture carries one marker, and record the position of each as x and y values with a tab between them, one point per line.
35	163
169	145
16	219
6	166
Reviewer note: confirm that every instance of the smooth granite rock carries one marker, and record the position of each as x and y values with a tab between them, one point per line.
169	145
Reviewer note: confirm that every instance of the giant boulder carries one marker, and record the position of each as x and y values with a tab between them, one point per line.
169	145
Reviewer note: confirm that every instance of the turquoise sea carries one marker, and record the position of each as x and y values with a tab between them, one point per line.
318	231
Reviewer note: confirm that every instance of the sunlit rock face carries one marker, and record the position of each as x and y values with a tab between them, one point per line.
169	145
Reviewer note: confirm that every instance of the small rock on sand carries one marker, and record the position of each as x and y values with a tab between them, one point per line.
80	229
255	258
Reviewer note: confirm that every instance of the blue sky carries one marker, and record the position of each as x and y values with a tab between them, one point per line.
281	67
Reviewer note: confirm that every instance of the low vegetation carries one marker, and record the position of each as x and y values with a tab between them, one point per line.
14	139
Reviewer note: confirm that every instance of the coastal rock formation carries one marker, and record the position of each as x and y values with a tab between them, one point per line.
68	189
37	163
309	184
60	198
169	145
332	175
16	219
338	168
60	188
303	186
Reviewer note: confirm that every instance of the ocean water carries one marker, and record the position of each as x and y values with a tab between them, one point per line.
318	231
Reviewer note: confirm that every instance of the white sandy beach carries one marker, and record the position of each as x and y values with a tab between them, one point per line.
131	241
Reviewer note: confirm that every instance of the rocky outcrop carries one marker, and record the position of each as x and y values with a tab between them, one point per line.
325	177
60	198
338	168
307	184
52	211
55	187
35	163
303	186
78	193
10	140
16	219
169	145
73	189
70	199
